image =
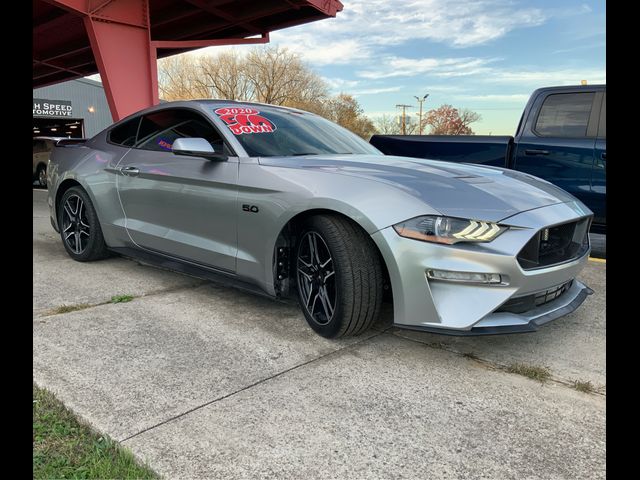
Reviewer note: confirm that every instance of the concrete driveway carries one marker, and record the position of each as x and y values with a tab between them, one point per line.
205	381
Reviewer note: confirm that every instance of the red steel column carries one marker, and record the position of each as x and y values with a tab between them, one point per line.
126	59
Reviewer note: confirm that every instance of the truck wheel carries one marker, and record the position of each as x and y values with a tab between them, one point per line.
339	276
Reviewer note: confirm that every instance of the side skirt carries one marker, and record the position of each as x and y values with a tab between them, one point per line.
173	264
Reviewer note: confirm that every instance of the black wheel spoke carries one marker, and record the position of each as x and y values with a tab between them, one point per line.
315	268
326	302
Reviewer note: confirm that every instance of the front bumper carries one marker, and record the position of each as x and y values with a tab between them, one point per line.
470	308
505	322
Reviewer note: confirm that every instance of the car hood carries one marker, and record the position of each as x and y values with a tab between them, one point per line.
453	189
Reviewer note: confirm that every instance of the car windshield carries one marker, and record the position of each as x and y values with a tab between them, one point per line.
265	131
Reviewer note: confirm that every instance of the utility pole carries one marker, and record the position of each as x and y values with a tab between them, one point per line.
403	126
420	101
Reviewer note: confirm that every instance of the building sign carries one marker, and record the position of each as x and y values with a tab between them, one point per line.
52	108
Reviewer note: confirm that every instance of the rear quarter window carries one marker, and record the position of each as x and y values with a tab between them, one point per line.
125	134
565	115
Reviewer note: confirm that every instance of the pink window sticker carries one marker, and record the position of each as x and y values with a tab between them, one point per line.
245	120
162	143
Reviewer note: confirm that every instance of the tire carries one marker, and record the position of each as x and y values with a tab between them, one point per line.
351	279
41	176
87	229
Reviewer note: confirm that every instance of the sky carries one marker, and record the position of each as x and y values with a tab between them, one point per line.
485	55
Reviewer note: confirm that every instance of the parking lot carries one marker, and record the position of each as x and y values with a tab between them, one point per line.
206	381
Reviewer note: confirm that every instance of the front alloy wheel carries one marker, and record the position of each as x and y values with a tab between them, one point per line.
338	272
316	278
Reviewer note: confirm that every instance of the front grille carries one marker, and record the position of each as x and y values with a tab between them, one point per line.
557	244
529	302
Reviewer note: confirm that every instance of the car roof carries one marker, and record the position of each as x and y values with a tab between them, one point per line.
201	102
595	86
212	101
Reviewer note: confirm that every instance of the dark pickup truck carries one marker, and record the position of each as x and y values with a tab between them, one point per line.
561	138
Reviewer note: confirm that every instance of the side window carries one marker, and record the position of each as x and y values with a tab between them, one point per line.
125	134
565	115
159	130
602	126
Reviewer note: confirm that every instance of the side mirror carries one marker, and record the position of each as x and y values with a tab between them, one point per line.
196	147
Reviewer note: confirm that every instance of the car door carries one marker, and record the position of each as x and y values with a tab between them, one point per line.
557	144
177	205
599	173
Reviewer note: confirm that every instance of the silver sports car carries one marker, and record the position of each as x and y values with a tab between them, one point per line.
286	203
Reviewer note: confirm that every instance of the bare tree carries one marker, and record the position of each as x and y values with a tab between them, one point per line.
178	78
279	77
224	76
345	110
268	75
386	125
467	117
390	125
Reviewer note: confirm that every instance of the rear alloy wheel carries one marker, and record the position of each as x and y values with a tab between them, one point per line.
41	176
338	275
79	227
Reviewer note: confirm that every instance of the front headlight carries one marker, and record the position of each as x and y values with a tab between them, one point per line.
431	228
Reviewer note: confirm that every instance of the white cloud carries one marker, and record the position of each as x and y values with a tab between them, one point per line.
482	69
373	91
380	113
365	26
442	67
319	50
338	84
541	78
516	97
591	46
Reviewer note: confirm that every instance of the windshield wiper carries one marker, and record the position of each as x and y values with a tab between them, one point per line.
303	154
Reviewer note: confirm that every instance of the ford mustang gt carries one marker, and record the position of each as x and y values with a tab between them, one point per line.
284	202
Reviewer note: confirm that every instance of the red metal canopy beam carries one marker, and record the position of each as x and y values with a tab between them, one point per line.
207	7
264	38
119	35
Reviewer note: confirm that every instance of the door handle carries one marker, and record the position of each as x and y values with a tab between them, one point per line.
130	171
536	152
